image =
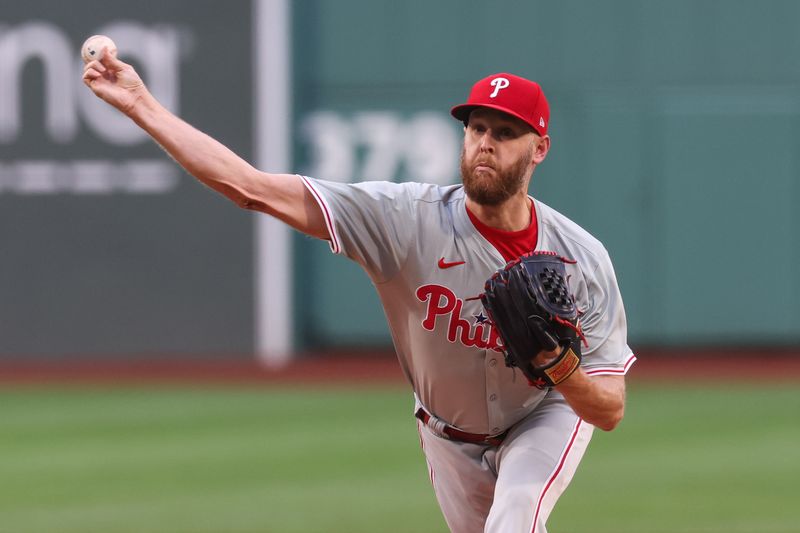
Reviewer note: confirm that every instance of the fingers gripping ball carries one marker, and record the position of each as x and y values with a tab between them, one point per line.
529	303
94	47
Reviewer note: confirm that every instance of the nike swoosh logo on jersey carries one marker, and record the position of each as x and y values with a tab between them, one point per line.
444	264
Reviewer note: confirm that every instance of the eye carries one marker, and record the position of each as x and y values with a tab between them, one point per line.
478	127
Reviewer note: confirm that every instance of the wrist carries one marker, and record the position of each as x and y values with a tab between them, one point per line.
551	368
143	108
544	358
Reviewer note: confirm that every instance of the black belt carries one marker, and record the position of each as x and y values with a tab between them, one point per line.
463	436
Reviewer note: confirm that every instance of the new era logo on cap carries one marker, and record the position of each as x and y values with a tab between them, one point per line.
511	94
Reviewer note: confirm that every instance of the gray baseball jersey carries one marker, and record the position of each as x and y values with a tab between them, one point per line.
427	260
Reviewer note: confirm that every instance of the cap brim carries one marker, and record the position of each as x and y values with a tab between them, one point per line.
461	112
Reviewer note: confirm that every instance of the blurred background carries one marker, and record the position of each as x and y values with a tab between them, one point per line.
675	129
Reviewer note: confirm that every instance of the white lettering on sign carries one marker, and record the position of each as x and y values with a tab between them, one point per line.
68	105
381	145
87	177
156	51
499	84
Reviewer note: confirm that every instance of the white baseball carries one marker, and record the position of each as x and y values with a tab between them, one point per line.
93	47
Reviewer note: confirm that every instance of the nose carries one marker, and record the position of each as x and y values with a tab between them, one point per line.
486	143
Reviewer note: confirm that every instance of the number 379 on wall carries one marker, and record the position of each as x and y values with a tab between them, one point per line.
381	145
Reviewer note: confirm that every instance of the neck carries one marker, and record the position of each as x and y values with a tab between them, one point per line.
512	215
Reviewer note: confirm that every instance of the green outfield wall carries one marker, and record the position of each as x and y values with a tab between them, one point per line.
675	129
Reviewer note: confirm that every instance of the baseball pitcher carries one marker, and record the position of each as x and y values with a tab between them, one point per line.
506	316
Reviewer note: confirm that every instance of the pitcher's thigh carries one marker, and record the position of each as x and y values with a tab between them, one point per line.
535	465
462	480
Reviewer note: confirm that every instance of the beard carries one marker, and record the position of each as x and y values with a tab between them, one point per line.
494	188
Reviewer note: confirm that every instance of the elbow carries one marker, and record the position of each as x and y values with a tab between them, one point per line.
609	424
244	200
611	420
233	193
241	192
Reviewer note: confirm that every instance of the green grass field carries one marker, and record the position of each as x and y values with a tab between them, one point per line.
715	459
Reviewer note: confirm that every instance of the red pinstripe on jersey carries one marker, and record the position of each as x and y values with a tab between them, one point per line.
555	473
335	245
601	371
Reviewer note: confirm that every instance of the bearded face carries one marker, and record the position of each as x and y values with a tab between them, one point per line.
487	182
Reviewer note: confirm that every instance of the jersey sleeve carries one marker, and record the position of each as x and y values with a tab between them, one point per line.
604	324
371	222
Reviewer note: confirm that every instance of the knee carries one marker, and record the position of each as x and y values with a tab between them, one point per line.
514	509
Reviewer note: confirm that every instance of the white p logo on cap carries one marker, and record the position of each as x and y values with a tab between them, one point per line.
498	84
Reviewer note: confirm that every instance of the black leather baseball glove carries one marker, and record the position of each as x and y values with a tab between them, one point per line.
529	303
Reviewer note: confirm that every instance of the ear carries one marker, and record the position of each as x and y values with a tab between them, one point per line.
542	147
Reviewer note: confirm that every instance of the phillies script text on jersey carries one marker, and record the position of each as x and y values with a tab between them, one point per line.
443	301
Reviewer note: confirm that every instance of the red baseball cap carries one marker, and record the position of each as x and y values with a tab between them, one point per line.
511	94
